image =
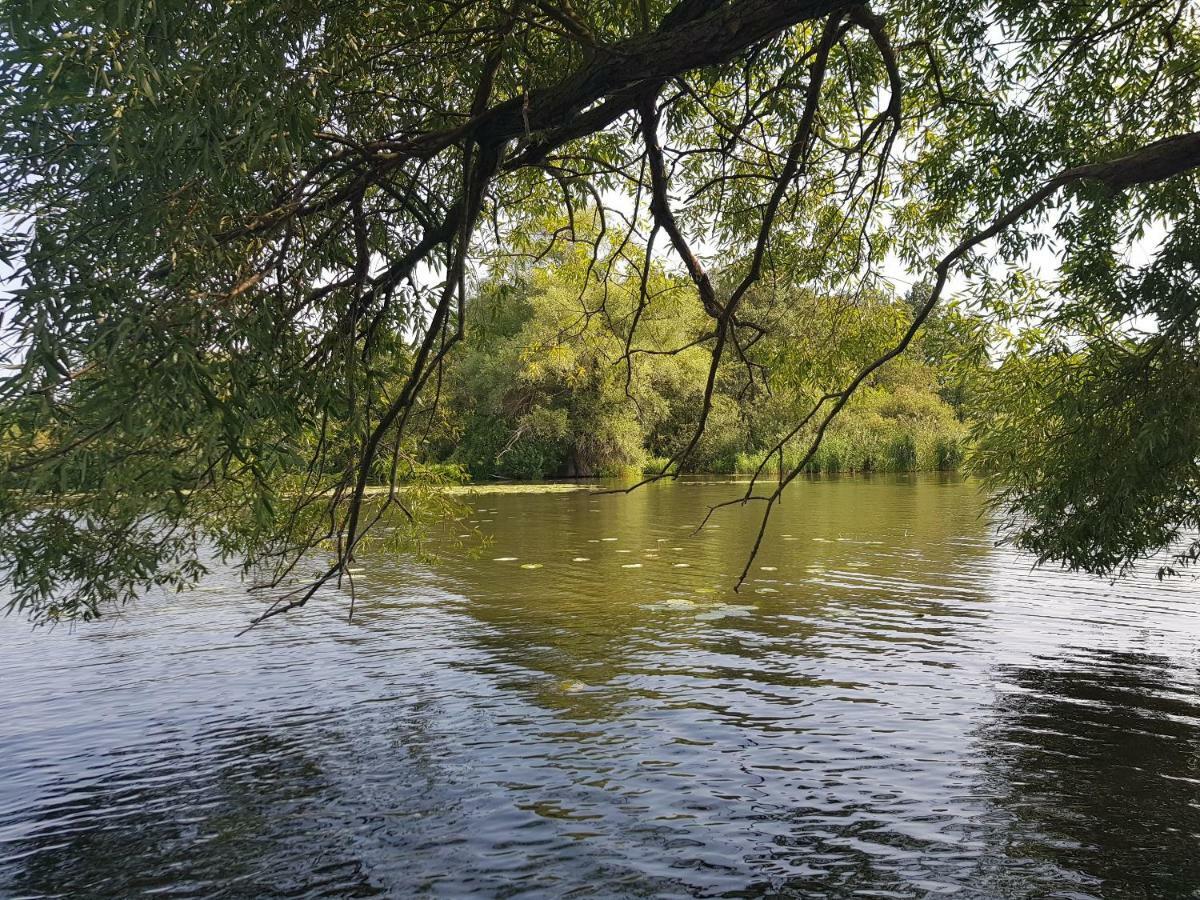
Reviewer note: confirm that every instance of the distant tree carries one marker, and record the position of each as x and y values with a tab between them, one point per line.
220	218
545	384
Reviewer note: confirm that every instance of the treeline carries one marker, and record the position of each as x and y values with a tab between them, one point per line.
566	374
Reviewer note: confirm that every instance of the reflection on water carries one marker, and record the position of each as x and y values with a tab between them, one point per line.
894	707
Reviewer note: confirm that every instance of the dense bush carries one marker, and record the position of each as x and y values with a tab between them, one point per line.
549	383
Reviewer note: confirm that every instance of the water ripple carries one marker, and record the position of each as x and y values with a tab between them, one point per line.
894	708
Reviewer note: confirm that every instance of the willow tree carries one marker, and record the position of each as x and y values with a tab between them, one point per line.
241	238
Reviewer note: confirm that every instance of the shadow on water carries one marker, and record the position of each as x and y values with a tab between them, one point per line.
220	820
1095	765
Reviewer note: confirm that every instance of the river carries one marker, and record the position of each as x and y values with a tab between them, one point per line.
892	707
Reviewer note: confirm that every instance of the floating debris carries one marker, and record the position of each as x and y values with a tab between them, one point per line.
675	603
531	565
632	566
506	559
505	488
725	612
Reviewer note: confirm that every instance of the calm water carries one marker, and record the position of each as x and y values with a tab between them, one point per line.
894	708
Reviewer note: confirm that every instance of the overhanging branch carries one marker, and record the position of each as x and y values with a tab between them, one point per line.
1158	161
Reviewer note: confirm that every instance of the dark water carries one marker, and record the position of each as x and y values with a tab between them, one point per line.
894	709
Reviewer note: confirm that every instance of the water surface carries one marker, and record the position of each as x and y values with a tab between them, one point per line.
893	707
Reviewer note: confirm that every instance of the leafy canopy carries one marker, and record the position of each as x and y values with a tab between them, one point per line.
242	236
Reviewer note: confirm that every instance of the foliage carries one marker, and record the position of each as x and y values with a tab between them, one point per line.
543	387
242	239
1093	451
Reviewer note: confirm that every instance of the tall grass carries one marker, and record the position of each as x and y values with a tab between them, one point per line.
900	431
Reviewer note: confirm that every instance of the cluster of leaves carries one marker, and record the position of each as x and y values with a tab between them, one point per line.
1091	430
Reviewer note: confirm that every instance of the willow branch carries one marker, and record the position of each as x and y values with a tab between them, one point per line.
1156	162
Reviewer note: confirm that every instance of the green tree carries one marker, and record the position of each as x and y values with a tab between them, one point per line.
550	383
220	219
